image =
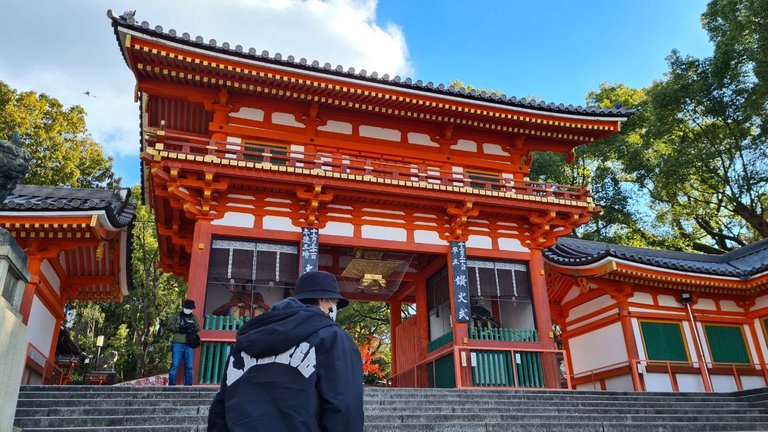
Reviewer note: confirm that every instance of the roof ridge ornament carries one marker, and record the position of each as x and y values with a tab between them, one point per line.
14	165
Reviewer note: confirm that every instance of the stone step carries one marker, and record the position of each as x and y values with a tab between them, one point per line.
82	411
416	418
564	427
461	404
556	397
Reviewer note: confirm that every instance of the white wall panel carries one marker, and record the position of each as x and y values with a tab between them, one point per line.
585	357
50	274
41	326
236	219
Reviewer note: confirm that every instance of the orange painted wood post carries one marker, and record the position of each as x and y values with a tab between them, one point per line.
622	296
422	321
33	265
198	275
395	319
543	317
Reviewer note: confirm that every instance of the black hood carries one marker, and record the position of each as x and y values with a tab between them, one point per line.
286	325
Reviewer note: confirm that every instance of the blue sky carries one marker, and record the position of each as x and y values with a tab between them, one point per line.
556	50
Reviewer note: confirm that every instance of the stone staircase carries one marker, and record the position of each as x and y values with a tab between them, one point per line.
183	409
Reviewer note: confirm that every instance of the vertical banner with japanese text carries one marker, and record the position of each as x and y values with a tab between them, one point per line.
309	249
459	280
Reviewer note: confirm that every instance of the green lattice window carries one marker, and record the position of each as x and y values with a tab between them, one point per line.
278	153
726	344
482	180
663	341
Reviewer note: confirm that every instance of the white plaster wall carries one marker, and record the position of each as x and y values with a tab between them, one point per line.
722	383
279	223
428	237
421	139
691	347
761	302
761	337
657	382
572	294
337	127
750	343
494	149
669	301
591	306
50	275
619	383
480	242
641	297
384	233
707	304
380	133
249	113
730	306
511	244
638	339
339	229
690	383
13	344
41	326
752	382
236	219
588	386
286	119
465	145
608	313
585	357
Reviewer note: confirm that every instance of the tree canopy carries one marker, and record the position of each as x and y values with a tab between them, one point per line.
63	151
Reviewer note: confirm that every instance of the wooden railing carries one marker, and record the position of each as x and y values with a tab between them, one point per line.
504	334
399	171
639	370
50	373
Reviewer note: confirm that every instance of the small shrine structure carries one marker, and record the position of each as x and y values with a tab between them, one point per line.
652	320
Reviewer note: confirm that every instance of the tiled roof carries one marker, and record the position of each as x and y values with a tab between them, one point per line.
127	20
743	263
48	198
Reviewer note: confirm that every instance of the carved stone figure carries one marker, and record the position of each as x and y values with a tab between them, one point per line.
107	361
14	164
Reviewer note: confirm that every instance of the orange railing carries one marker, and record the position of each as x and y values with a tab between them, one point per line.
37	361
401	170
708	372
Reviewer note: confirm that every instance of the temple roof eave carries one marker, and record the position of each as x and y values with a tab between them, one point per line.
129	26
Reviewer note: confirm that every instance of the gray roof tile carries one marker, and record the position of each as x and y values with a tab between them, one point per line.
128	21
743	263
49	198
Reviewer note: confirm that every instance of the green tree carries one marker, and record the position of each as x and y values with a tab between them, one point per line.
63	151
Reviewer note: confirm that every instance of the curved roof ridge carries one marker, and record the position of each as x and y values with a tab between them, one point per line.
743	263
127	19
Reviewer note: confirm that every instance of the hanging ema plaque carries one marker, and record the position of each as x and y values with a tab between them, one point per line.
309	249
460	281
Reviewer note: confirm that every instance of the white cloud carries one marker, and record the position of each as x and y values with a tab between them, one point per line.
67	48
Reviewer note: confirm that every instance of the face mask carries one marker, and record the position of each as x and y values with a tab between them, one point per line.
332	313
187	311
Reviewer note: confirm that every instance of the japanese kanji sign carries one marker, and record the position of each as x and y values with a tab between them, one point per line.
309	249
460	281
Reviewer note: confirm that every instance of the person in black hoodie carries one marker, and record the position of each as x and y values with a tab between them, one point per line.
293	369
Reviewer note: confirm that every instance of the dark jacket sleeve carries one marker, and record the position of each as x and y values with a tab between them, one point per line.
217	414
195	326
340	383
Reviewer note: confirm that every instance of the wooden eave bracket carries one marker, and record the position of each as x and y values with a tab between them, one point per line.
314	197
459	216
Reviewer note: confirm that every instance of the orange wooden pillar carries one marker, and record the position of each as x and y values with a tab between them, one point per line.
198	275
395	318
543	318
422	322
621	296
33	265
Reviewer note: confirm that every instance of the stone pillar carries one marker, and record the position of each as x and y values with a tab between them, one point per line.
460	308
14	335
309	250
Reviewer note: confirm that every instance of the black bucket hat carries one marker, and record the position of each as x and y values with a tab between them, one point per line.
189	304
319	285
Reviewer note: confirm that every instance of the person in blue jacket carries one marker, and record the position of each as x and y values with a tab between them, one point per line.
293	369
